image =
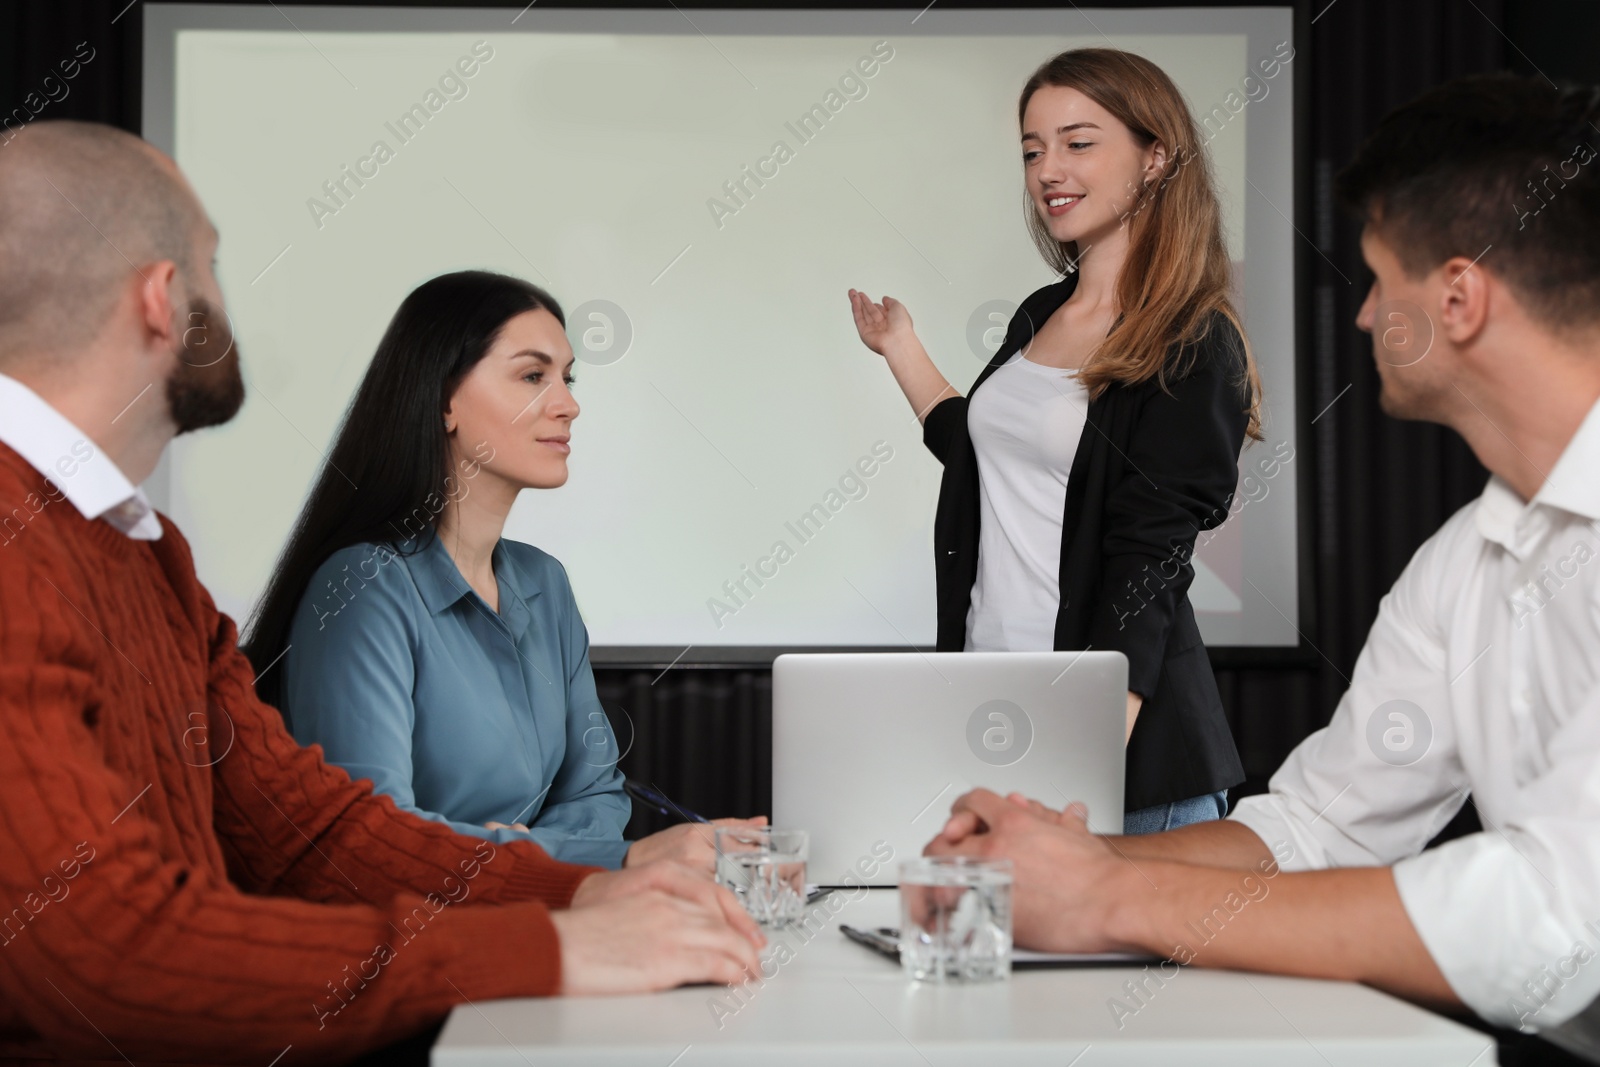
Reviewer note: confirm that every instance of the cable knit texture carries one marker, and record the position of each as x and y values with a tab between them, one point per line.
181	882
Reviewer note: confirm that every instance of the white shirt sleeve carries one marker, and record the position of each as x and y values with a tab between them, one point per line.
1512	915
1361	792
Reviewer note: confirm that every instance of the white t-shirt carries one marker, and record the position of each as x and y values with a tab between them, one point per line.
1024	423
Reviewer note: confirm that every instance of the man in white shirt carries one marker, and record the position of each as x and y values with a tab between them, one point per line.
1481	675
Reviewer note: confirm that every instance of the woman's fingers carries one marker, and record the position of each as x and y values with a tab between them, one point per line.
694	846
870	318
696	849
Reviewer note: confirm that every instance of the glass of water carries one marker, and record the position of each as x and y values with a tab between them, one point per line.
766	869
955	919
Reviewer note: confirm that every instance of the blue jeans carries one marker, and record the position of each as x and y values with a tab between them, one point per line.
1161	817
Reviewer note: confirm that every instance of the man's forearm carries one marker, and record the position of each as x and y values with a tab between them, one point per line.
1218	843
1345	924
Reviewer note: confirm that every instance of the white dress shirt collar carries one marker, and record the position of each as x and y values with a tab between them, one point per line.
1571	485
73	463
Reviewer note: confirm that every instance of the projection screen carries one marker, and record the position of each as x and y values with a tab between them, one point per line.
698	189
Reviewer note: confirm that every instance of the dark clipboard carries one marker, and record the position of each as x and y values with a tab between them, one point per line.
885	941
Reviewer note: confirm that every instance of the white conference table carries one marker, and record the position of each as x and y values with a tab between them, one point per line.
835	1003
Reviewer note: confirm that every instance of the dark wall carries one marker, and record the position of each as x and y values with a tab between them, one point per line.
1375	487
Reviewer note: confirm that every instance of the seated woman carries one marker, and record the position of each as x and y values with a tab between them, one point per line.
418	647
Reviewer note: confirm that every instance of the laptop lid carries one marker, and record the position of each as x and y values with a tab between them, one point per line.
869	750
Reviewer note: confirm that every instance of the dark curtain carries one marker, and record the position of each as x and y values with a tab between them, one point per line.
36	36
702	736
1376	488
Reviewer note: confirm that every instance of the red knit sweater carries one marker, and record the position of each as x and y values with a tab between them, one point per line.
180	881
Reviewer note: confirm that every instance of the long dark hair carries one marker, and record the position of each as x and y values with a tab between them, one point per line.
391	458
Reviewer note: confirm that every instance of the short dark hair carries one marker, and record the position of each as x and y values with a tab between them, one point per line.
1498	164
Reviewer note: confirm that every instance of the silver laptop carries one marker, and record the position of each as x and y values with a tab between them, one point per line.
869	750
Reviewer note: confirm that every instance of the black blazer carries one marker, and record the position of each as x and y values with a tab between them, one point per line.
1153	468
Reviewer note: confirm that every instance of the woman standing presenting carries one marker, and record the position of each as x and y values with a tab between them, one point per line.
1107	429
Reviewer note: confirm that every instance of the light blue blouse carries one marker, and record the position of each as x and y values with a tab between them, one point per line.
403	675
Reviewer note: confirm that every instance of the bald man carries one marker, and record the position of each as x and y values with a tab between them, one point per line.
174	871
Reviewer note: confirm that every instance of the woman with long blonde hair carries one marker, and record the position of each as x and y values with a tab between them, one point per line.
1107	430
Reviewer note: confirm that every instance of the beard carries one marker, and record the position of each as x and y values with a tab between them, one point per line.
207	388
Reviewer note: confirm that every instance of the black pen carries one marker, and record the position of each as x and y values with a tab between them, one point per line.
884	940
659	801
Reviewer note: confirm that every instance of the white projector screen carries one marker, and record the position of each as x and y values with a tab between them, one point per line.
698	189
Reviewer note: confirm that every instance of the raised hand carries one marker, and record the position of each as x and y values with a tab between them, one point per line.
881	326
886	329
